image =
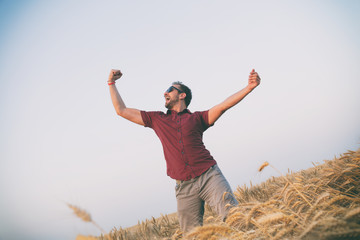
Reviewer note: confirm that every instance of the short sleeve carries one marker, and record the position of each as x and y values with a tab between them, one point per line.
149	118
146	119
204	116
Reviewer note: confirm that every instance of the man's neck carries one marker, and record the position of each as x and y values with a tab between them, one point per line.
178	108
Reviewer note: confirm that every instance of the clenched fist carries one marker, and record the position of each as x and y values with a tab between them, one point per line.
114	75
254	79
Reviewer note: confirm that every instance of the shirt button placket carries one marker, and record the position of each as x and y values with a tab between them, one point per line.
180	140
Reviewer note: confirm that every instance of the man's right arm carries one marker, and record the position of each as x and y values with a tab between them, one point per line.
130	114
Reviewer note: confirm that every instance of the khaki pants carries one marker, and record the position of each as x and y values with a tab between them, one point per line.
191	196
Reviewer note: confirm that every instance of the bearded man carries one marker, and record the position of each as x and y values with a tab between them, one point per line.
196	173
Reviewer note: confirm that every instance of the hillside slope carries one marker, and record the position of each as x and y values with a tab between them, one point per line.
322	202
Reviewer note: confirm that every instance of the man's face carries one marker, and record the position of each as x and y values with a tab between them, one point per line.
172	97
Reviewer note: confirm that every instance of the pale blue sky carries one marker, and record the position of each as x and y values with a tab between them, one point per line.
61	140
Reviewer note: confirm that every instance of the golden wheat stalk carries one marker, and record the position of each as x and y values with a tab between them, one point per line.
204	232
84	215
352	214
271	218
262	229
267	164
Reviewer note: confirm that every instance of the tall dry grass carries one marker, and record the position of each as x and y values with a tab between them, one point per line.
322	202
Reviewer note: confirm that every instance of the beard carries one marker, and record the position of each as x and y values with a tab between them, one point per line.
169	105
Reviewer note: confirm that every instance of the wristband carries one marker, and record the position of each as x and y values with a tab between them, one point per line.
111	83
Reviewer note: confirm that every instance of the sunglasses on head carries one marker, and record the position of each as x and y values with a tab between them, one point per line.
172	88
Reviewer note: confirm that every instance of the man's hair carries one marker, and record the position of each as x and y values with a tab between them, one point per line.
186	90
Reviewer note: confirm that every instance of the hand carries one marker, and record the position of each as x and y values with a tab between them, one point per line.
114	75
254	79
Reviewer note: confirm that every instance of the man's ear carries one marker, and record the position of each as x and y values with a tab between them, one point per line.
182	96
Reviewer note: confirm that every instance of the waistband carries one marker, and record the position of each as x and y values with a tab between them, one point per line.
181	181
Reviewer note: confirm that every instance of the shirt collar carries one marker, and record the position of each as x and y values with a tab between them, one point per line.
172	111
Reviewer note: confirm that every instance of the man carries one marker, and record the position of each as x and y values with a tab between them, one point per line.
198	178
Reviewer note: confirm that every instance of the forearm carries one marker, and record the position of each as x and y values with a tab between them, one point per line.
218	110
117	101
130	114
234	99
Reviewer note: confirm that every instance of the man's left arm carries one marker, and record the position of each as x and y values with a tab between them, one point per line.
216	111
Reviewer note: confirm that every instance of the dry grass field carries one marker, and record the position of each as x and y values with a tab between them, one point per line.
322	202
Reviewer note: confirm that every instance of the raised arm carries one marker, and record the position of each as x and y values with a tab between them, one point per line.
130	114
218	110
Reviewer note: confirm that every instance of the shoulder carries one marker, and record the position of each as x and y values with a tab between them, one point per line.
153	113
204	118
201	114
151	117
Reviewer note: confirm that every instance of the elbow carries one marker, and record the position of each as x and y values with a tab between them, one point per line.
120	112
223	109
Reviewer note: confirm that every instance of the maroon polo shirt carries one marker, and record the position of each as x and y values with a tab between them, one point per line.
181	137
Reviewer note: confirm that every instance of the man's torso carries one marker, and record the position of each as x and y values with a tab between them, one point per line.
181	137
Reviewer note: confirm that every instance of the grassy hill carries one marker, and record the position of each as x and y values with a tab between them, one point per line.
322	202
